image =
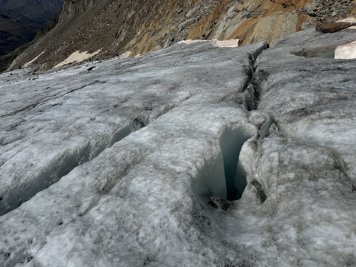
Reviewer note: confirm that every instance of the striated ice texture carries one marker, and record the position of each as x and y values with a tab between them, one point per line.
195	155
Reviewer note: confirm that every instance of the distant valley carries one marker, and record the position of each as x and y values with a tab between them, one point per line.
19	23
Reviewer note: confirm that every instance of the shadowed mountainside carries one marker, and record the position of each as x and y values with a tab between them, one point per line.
20	21
39	11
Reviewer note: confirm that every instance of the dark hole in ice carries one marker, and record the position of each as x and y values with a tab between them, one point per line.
231	143
213	204
222	179
28	259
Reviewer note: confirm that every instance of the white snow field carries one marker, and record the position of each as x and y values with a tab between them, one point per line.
77	57
195	155
347	51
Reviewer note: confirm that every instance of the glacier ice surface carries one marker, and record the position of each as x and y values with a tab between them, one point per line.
134	162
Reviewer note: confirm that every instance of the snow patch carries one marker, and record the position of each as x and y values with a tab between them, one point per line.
347	51
127	54
349	20
226	43
33	60
190	41
77	57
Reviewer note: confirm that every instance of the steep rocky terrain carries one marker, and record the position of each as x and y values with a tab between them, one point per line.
107	28
200	154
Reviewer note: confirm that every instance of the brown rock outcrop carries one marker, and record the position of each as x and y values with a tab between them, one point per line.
329	27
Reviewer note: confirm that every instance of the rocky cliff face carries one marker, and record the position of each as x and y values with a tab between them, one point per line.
200	154
115	27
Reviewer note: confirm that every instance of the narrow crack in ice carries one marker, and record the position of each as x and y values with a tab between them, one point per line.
231	142
51	98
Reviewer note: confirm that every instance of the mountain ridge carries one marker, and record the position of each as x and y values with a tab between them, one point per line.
137	27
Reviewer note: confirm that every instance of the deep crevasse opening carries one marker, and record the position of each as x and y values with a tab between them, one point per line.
222	176
231	143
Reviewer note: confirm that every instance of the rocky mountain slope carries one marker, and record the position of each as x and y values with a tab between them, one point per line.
200	154
108	28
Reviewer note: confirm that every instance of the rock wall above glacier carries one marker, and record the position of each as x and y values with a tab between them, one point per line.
137	27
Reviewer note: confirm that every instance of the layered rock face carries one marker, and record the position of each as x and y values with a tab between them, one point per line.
137	27
200	154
